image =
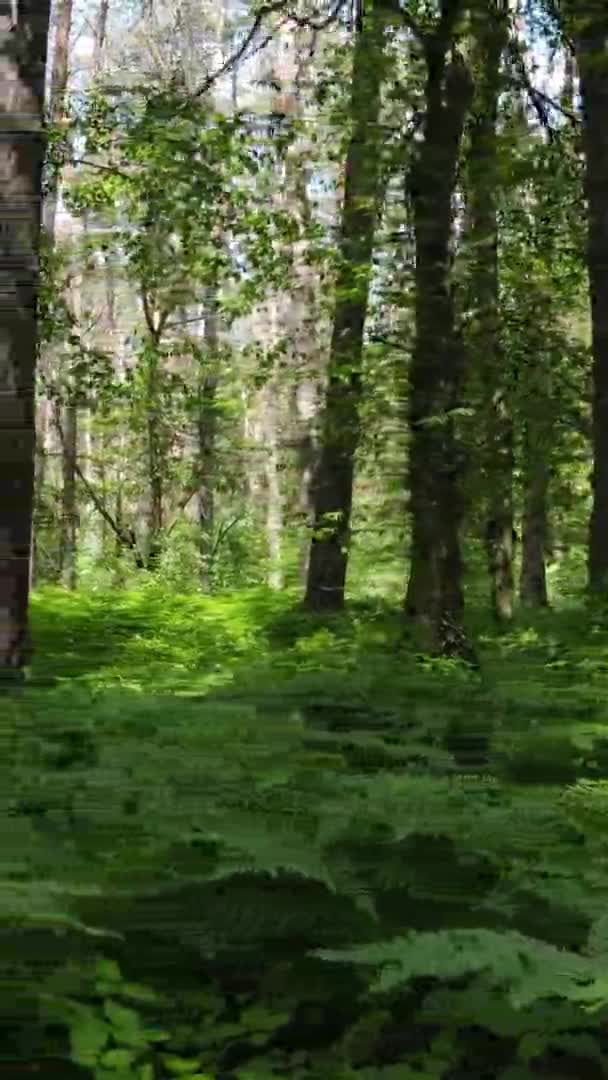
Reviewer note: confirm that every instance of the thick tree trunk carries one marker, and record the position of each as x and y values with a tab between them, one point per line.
590	31
332	488
533	580
491	31
434	601
22	71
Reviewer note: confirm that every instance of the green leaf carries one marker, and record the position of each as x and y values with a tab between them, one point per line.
125	1023
89	1037
108	970
119	1058
180	1066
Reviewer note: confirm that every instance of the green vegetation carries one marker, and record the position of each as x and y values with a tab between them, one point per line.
239	842
308	775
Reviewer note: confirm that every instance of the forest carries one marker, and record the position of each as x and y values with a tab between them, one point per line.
304	539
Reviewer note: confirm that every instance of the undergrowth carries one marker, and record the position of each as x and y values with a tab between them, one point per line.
239	843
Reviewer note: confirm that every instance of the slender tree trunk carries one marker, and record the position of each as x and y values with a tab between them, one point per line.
207	431
68	419
435	601
154	515
69	508
99	41
491	30
274	494
22	71
533	580
332	489
59	83
40	474
103	438
590	31
58	87
69	427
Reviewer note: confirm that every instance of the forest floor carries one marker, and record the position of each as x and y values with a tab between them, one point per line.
217	791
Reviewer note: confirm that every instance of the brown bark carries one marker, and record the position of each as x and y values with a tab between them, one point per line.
434	601
590	32
22	69
491	32
332	488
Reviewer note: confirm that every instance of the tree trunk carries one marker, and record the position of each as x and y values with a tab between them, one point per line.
40	474
533	580
68	419
69	429
590	31
57	97
332	488
207	428
69	508
99	42
154	514
435	600
491	31
22	71
274	495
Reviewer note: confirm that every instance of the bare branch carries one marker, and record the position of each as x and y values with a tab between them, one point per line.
103	168
541	101
265	11
126	536
306	23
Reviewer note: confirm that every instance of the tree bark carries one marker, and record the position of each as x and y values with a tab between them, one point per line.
435	601
68	526
332	488
22	71
69	507
207	430
484	337
533	580
154	514
590	33
57	96
99	40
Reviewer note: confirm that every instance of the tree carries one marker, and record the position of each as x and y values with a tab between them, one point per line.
484	332
434	601
332	486
23	49
588	29
176	179
66	416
